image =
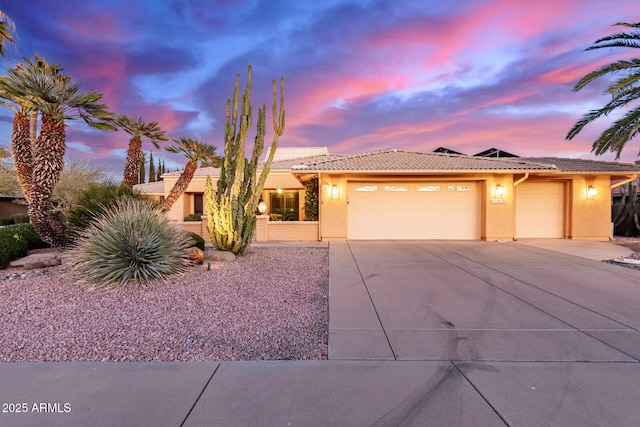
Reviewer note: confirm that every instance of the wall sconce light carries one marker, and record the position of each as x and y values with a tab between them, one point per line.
279	190
499	191
262	207
592	192
334	191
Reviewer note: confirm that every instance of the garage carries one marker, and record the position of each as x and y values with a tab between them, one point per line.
539	209
423	210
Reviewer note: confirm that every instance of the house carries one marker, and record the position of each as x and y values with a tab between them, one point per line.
11	204
397	194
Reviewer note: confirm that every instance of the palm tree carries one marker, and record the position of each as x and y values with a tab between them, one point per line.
6	29
139	130
58	98
25	117
623	90
194	151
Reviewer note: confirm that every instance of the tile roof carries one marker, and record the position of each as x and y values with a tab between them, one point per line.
286	153
580	165
407	161
150	187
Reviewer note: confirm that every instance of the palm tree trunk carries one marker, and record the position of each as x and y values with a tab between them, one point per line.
21	152
180	186
132	164
48	163
33	127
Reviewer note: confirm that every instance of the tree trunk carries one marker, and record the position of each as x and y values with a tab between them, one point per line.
48	162
180	186
33	127
132	164
21	152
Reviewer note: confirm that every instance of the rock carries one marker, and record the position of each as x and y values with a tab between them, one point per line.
41	263
195	254
219	256
34	261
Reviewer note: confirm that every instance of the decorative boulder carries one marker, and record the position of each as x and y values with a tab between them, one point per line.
219	256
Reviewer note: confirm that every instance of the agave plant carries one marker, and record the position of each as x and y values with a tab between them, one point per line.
131	243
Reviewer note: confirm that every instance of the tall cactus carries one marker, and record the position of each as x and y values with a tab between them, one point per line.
231	218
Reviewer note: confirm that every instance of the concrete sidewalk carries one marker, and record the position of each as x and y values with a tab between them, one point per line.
421	333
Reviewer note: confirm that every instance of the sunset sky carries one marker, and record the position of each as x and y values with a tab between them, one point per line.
360	75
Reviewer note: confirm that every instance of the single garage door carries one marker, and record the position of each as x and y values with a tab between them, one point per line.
539	209
402	211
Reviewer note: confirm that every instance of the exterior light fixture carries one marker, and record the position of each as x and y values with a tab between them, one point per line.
499	191
592	192
334	191
279	190
262	207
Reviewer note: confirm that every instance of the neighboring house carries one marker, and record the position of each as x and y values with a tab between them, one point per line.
395	194
11	204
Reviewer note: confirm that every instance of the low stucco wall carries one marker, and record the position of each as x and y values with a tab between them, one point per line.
301	231
292	230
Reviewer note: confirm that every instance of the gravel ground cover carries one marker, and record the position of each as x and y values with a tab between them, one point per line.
270	304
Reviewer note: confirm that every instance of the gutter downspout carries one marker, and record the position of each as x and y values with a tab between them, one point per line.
521	180
618	184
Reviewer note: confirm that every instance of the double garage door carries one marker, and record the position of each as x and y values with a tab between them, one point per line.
400	211
446	210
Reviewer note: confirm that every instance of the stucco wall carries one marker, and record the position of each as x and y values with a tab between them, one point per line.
590	218
497	213
333	209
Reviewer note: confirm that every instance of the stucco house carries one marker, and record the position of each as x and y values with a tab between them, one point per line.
397	194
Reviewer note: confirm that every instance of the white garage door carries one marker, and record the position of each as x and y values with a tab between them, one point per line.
403	211
539	209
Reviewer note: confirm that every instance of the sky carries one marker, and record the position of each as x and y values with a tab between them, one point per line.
360	75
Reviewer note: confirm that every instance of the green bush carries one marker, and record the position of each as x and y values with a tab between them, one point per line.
13	247
5	221
199	241
132	242
25	232
20	218
193	217
95	200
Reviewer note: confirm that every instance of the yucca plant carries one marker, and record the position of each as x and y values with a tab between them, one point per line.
131	243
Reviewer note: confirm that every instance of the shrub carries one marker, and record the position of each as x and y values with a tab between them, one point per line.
5	221
95	200
26	233
199	241
131	242
276	217
20	218
193	217
13	247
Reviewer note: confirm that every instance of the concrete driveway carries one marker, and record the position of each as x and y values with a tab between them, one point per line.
544	338
421	334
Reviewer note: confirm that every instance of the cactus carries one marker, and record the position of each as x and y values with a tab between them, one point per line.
231	218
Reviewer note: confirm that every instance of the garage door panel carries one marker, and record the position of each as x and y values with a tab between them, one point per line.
539	210
414	211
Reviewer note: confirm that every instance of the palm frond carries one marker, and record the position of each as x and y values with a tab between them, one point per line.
624	85
607	69
137	127
618	134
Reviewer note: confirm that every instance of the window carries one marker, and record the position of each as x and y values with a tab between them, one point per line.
394	188
429	188
285	204
197	204
367	188
458	188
